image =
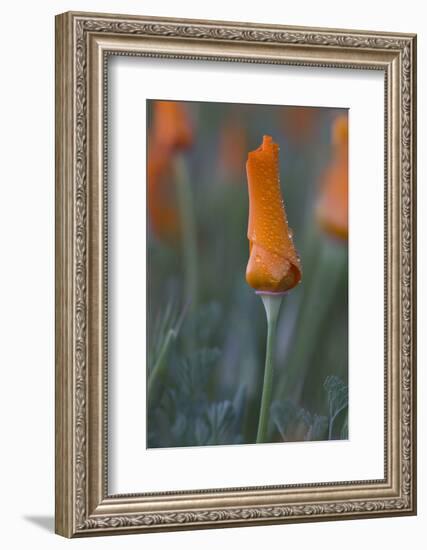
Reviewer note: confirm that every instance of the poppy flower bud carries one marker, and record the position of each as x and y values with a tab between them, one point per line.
273	264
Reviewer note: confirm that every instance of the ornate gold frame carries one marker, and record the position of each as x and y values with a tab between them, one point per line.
83	43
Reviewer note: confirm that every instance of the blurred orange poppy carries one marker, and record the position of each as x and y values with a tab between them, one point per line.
161	196
332	206
171	132
171	129
273	264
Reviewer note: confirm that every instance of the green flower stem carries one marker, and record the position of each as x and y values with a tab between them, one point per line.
188	235
272	303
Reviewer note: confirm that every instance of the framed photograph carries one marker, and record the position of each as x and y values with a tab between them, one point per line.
235	274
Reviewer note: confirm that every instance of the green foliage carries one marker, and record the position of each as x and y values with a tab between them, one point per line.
284	415
293	423
167	328
185	413
344	429
317	428
165	322
297	424
204	324
337	393
217	425
192	374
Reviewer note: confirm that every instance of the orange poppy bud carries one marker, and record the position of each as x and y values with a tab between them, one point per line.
171	128
332	207
273	263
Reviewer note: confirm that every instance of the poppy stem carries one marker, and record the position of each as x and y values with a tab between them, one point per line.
272	303
188	236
